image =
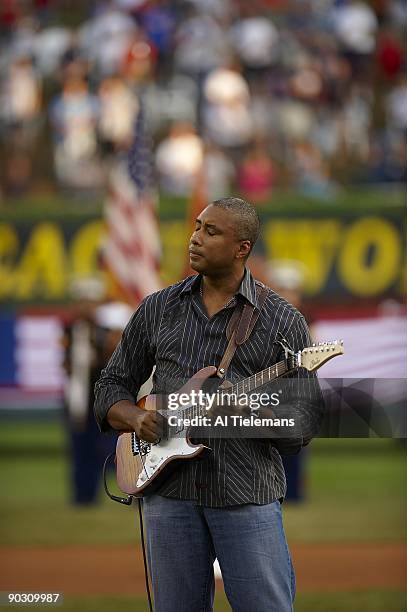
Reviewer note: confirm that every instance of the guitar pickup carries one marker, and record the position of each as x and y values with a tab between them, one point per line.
139	447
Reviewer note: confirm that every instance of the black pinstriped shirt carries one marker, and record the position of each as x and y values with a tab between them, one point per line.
172	331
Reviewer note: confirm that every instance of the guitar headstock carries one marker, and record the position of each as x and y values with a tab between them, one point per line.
313	357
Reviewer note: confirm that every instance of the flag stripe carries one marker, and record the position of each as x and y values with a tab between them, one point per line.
132	248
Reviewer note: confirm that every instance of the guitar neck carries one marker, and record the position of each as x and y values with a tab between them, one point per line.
251	383
310	358
243	387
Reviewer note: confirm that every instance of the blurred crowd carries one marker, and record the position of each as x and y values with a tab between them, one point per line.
248	96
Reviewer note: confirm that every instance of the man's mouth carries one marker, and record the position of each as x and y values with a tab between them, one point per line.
193	253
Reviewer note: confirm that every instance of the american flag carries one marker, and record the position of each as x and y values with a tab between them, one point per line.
132	248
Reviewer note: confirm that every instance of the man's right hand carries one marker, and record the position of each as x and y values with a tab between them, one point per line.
148	424
126	416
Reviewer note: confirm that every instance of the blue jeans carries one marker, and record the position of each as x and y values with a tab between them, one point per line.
183	540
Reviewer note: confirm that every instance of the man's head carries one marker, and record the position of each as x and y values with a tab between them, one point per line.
224	236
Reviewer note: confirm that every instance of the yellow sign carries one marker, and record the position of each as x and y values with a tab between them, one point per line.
361	257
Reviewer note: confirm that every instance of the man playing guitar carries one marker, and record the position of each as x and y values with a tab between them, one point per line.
227	505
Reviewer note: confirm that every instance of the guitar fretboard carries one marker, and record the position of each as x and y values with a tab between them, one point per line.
243	387
258	380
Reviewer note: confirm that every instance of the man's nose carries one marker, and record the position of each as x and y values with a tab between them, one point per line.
196	238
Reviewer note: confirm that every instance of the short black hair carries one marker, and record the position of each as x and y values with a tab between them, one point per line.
247	219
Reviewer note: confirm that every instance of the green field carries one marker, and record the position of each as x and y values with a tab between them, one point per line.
356	492
374	601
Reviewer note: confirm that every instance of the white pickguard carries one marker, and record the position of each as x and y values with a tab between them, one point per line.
160	453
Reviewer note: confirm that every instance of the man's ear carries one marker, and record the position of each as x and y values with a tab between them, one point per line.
244	249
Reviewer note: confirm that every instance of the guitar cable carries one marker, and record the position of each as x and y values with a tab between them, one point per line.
127	501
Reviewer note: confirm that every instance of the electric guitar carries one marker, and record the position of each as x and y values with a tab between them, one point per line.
141	466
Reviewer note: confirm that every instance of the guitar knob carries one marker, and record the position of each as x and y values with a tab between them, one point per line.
153	459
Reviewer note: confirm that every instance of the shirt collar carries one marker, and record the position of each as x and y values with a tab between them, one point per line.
191	283
247	287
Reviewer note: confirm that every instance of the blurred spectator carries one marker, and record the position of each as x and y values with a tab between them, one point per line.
357	118
356	26
387	161
256	175
397	106
327	72
21	107
179	158
255	41
306	83
173	101
105	39
82	349
89	342
296	120
118	109
139	61
158	20
390	54
227	119
219	173
397	12
9	15
219	9
51	45
74	117
326	134
23	40
201	44
22	99
311	172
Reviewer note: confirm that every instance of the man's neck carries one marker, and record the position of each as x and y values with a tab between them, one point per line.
222	286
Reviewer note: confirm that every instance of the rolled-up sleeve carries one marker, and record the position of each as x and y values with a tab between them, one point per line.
129	367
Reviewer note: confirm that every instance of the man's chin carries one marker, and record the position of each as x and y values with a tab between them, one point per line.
197	266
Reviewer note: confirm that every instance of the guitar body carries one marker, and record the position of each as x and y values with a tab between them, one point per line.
141	467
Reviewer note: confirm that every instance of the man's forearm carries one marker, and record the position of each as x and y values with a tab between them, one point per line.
123	415
126	416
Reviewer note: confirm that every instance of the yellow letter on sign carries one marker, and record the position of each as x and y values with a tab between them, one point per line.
85	249
8	251
42	271
363	277
314	242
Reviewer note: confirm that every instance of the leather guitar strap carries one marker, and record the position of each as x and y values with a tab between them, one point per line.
240	327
